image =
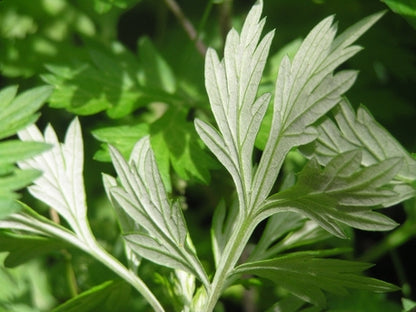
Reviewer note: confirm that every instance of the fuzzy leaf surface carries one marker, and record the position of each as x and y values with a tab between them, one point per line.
232	85
162	237
306	89
62	184
359	131
341	193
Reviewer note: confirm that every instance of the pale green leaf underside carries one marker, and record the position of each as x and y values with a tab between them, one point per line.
61	185
342	193
232	85
307	276
359	131
306	90
162	237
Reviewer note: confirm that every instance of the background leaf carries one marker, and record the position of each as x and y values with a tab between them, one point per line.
307	276
122	137
176	144
405	8
16	112
107	296
106	82
22	248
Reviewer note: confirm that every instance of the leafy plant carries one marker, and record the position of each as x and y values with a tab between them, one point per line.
16	113
352	167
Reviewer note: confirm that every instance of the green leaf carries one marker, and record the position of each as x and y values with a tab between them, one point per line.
305	91
155	72
307	276
108	296
163	236
13	150
22	248
408	305
122	137
17	288
103	6
176	144
406	8
107	82
17	180
16	112
62	184
286	230
342	193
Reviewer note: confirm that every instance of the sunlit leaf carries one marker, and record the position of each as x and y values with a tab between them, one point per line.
62	185
176	146
122	137
16	112
306	89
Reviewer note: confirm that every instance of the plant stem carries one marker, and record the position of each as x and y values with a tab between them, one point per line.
70	274
186	25
129	276
88	244
232	253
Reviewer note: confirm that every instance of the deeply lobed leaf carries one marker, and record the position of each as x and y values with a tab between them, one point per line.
307	276
341	193
62	184
359	131
162	235
232	85
305	91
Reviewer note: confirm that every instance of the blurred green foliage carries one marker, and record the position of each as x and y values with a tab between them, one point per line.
129	69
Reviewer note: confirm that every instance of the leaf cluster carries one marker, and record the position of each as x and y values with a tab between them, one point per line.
260	114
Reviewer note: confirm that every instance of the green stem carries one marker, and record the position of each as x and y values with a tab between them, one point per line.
232	253
129	276
90	246
186	25
70	274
